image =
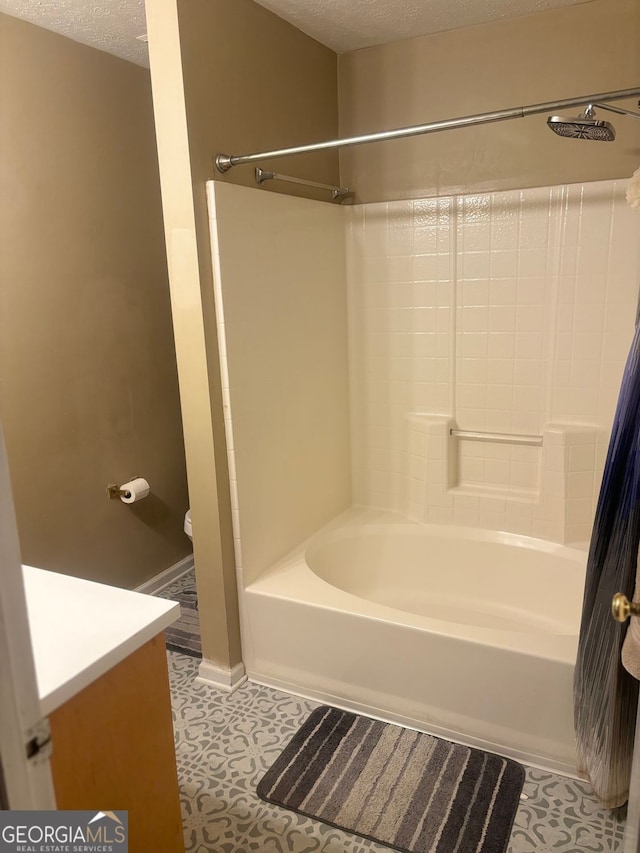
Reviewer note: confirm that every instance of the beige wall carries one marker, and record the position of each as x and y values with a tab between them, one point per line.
589	48
223	75
252	83
283	306
88	391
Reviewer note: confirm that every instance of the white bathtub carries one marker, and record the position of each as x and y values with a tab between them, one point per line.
464	633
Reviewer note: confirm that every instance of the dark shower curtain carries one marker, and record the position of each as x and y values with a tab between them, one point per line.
605	695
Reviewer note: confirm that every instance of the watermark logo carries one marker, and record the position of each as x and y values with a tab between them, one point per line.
64	832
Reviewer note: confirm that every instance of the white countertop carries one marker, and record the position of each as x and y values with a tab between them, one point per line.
81	629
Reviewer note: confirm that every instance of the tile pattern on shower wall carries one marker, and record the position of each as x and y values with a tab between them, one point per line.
560	510
504	311
401	281
596	305
506	261
504	283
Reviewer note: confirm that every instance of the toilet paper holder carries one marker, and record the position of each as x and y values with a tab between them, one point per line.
114	491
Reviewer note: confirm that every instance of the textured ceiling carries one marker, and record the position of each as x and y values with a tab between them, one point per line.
110	25
113	25
351	24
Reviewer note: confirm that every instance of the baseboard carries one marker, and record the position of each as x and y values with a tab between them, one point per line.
221	677
157	583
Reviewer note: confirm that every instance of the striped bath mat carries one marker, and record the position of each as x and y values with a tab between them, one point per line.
396	786
184	635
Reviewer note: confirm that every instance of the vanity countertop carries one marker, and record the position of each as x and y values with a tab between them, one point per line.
81	629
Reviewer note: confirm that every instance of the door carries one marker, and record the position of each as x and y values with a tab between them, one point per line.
25	782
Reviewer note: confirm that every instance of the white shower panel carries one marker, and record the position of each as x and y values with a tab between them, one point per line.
505	312
280	295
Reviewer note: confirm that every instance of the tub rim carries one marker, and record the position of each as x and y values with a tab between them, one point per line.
292	579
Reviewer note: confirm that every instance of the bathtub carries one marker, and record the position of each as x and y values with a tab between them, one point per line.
460	632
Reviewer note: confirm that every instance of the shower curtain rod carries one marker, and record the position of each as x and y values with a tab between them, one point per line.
224	162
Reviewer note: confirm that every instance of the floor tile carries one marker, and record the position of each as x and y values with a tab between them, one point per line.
281	831
226	742
214	819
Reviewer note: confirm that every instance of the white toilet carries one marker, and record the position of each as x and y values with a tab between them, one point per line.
187	524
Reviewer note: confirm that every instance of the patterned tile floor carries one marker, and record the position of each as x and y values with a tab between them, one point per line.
224	744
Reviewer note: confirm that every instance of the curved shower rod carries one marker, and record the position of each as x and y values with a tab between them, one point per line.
224	162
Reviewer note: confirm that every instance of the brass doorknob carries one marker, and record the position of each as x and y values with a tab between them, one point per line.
622	608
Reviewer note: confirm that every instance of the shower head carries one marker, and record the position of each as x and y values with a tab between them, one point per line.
584	126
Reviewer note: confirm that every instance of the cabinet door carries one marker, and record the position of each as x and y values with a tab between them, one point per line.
25	783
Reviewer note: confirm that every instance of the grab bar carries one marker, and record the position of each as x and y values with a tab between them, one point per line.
500	437
337	193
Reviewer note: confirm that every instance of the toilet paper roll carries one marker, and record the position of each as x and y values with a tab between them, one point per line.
135	490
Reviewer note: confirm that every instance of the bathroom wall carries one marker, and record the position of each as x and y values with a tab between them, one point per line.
506	312
225	76
280	278
254	82
562	53
88	389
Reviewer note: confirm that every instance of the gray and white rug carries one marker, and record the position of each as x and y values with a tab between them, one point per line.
396	786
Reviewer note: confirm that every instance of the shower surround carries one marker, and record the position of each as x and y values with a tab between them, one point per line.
502	312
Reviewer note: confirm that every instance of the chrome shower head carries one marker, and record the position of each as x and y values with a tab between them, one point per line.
584	126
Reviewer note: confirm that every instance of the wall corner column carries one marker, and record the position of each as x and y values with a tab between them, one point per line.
196	348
